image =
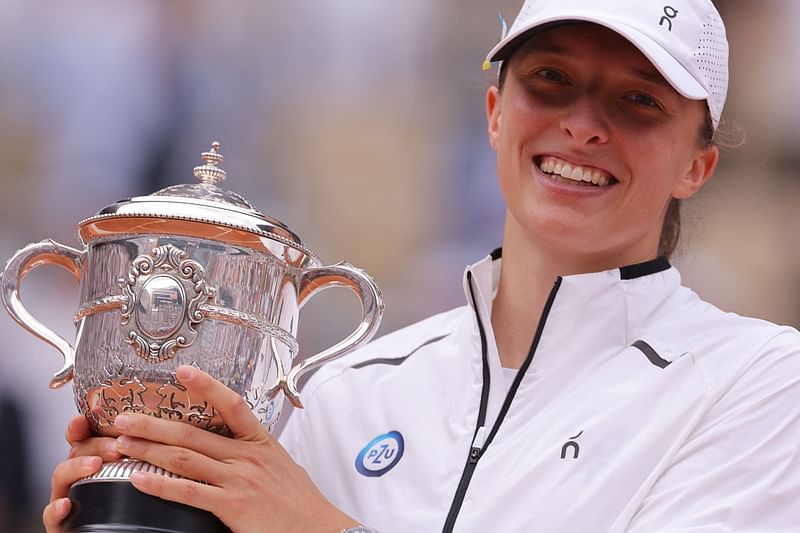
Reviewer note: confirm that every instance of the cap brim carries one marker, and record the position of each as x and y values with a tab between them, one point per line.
675	74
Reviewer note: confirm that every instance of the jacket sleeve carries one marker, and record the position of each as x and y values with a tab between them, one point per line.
290	433
739	471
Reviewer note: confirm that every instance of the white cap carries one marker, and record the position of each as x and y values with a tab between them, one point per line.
684	39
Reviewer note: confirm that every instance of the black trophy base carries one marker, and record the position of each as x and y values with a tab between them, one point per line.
116	506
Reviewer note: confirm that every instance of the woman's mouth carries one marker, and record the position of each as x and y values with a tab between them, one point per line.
570	173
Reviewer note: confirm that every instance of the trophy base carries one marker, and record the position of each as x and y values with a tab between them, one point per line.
116	506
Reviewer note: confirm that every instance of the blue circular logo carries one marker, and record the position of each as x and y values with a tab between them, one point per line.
380	455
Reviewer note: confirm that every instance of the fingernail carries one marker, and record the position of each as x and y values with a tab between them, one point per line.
185	373
122	421
123	442
89	461
62	505
138	478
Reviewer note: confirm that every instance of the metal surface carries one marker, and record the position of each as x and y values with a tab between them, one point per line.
242	332
315	279
25	260
121	471
202	210
190	275
163	291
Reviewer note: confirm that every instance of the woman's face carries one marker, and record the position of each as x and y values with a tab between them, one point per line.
592	143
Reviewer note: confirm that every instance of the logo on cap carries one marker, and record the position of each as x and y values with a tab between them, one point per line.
669	14
380	455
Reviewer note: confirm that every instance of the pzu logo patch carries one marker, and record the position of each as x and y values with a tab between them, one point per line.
380	455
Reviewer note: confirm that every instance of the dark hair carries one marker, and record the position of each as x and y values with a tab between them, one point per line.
671	227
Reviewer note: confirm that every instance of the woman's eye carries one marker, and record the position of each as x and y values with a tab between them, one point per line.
551	74
642	99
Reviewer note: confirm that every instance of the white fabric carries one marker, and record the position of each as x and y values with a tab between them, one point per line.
706	444
508	376
684	39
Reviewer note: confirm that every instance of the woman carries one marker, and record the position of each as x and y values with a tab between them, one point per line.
635	406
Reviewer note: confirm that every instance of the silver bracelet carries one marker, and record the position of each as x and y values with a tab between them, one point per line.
359	529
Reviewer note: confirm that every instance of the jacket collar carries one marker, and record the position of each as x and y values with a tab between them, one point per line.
589	320
598	305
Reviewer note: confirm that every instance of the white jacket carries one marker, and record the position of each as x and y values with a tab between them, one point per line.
641	408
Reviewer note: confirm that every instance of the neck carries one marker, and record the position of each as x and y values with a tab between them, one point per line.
525	284
527	275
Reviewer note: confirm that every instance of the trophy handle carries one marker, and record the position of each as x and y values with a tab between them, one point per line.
46	252
316	279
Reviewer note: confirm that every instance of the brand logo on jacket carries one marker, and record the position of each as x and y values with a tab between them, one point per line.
571	446
380	455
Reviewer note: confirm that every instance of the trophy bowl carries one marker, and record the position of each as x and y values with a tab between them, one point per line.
189	275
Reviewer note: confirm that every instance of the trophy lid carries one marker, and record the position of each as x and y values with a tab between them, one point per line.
202	210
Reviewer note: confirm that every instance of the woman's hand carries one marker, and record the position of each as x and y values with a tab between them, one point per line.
249	482
86	455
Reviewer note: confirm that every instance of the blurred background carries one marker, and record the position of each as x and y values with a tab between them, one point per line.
361	125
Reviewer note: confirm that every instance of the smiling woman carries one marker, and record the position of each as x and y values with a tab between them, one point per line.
600	111
670	229
581	387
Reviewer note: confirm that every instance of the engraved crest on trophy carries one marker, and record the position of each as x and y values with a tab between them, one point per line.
164	291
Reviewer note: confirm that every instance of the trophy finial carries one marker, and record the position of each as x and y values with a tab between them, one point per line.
210	174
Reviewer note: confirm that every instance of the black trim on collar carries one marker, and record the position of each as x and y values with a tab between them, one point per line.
659	264
651	354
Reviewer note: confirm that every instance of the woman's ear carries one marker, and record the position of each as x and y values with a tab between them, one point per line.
700	171
493	115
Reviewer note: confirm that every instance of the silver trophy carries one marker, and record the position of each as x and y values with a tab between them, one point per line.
189	275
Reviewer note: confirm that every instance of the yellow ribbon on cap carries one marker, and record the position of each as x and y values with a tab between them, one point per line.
487	65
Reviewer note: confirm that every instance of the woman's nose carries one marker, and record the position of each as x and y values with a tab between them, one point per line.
585	123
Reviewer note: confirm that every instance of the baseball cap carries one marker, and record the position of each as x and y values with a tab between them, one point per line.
684	39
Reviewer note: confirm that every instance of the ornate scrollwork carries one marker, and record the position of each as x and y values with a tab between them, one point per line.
103	393
163	293
177	404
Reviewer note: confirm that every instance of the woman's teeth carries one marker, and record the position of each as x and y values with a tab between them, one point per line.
569	173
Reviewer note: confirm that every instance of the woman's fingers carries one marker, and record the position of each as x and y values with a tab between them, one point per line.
55	513
173	433
105	447
180	461
70	471
232	407
77	429
185	491
228	403
80	438
86	457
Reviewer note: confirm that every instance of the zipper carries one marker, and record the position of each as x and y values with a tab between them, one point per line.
480	439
